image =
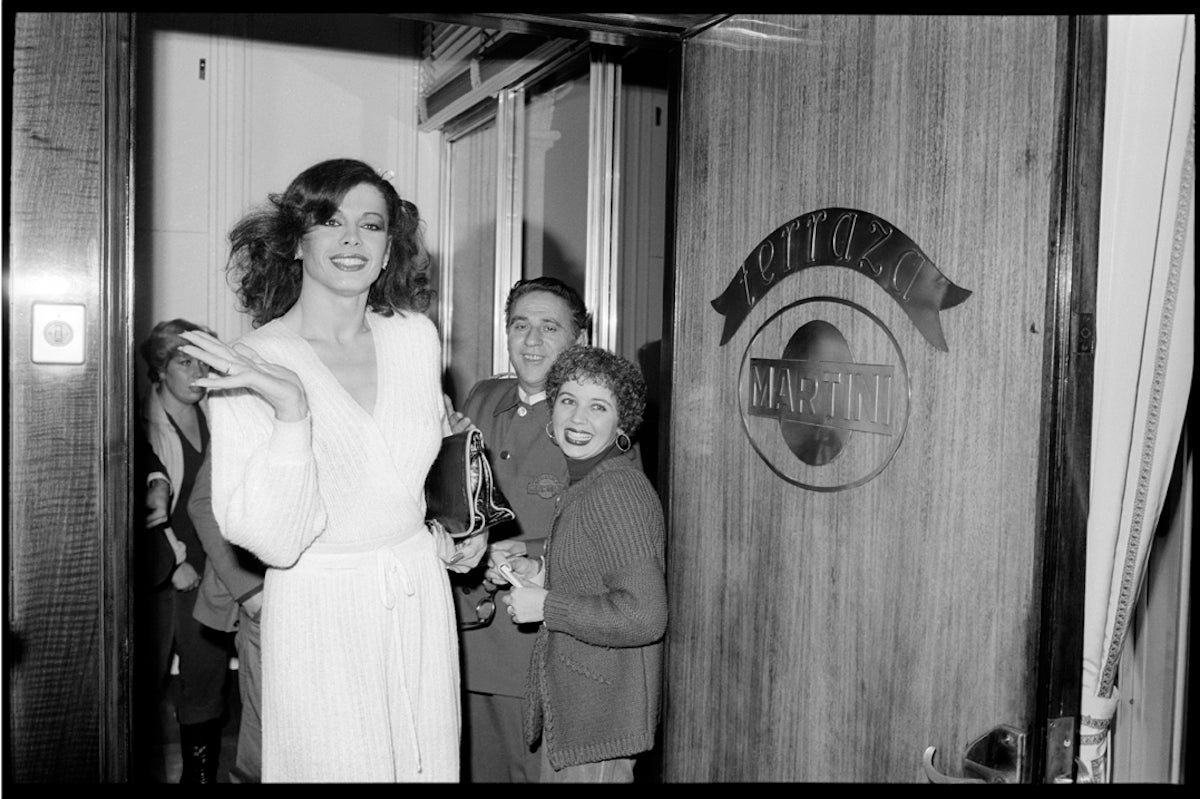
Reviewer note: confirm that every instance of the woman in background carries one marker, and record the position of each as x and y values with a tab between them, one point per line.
326	419
175	426
600	591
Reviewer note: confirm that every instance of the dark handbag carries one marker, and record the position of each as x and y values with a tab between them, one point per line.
460	491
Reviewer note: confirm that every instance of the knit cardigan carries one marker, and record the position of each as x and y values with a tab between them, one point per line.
169	449
594	689
163	438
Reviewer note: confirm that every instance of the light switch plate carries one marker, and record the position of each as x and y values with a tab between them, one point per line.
58	333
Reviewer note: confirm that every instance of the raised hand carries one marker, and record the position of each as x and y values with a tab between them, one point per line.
241	367
158	503
457	421
528	570
459	556
185	577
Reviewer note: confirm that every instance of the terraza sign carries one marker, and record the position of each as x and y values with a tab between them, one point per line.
852	239
829	411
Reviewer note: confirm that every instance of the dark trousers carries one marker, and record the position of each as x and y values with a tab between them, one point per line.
493	744
203	658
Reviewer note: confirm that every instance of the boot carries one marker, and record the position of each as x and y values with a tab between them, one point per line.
200	745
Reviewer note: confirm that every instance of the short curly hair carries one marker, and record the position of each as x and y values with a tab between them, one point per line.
595	365
163	342
262	259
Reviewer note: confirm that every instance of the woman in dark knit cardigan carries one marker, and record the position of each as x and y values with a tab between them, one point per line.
599	591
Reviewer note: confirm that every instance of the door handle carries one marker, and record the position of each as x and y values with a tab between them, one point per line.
998	756
937	777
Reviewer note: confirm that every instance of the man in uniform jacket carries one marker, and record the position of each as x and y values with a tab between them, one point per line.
543	316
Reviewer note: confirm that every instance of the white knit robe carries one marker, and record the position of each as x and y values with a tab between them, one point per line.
360	653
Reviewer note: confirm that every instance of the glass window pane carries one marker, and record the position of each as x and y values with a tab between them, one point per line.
472	258
556	188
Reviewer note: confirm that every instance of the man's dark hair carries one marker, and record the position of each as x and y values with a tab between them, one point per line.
551	285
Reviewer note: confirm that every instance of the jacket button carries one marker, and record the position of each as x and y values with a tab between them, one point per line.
522	411
504	455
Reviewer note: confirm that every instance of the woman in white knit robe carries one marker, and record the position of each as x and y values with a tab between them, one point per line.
325	421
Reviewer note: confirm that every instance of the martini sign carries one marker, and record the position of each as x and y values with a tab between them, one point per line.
828	411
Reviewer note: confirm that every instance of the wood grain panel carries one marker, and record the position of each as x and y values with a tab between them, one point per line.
834	636
67	591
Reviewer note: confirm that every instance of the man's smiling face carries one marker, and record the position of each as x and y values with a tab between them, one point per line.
539	328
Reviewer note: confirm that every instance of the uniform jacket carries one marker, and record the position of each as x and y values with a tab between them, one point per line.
531	472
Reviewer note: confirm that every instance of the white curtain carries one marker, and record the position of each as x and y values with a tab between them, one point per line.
1145	316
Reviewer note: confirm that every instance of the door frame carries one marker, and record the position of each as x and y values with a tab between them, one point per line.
69	485
506	106
1067	378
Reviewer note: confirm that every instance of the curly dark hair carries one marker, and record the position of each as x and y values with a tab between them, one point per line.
595	365
262	258
163	342
550	285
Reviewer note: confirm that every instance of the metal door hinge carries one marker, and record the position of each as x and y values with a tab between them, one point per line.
1060	750
1085	332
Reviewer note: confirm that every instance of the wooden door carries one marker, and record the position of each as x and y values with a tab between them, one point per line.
68	366
884	228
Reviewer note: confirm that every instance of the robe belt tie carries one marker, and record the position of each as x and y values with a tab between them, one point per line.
392	561
394	577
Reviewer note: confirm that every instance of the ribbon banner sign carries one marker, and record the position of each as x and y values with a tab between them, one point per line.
852	239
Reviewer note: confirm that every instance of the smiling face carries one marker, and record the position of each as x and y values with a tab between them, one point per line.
345	254
585	418
539	328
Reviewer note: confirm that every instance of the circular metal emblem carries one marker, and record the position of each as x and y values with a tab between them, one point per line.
824	394
58	334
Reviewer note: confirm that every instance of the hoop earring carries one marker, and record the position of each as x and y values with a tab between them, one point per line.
550	431
628	442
